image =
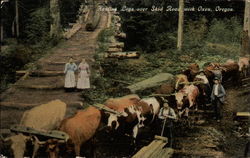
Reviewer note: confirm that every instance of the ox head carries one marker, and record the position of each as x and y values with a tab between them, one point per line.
18	144
113	118
179	99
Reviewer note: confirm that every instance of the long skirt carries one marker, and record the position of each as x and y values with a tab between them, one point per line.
70	80
83	80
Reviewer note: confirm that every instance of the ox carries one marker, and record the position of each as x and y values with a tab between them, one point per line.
133	114
191	71
204	88
187	95
165	88
181	78
44	117
231	71
244	65
81	127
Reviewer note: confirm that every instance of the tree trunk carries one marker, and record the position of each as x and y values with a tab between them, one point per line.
17	20
55	15
180	24
246	30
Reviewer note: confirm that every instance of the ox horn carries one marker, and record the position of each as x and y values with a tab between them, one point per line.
36	140
62	141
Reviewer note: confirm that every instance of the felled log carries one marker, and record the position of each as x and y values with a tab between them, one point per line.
109	20
116	45
124	55
93	20
152	82
72	31
121	35
113	50
40	73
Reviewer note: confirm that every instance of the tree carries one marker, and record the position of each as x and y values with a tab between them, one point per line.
180	24
246	29
55	15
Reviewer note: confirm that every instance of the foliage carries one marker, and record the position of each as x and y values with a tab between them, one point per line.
225	31
37	29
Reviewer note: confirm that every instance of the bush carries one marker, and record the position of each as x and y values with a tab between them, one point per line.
225	31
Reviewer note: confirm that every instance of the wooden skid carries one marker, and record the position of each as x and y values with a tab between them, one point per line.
40	73
51	134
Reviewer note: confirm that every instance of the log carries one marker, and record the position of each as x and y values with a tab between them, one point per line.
152	82
168	153
152	148
141	152
40	87
27	106
109	20
157	150
41	73
93	20
114	50
124	55
116	45
76	27
121	35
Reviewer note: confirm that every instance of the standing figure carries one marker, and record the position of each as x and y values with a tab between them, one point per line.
70	81
83	77
167	115
217	98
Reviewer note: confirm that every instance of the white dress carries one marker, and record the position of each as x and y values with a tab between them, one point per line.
70	81
83	77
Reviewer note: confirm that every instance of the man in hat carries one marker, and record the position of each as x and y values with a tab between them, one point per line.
217	73
167	115
217	98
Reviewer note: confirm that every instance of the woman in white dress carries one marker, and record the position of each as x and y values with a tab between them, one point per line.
83	76
70	81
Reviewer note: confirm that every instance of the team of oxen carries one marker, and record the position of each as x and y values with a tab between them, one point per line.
128	114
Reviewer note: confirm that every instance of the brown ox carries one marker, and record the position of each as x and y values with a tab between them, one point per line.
81	127
187	95
166	88
230	71
243	65
191	71
43	117
119	104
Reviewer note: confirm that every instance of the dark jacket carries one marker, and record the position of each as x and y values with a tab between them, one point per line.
221	93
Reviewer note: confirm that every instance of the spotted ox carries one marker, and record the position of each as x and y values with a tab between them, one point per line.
244	65
134	115
187	96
